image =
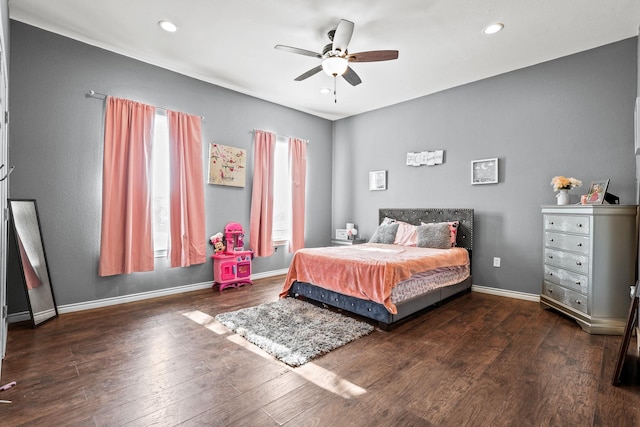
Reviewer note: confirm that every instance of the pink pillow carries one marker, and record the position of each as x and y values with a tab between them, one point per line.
407	234
453	231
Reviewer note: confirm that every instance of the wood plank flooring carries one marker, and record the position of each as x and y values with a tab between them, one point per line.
477	360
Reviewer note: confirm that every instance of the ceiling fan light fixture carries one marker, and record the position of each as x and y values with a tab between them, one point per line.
493	28
335	65
168	26
325	90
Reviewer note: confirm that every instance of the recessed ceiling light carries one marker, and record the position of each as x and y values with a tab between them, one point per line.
168	26
493	28
325	90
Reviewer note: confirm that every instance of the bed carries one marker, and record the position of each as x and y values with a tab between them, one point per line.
404	288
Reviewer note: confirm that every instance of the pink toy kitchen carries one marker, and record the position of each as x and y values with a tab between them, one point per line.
232	266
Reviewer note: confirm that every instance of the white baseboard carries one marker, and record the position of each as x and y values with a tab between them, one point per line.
506	293
106	302
23	316
271	273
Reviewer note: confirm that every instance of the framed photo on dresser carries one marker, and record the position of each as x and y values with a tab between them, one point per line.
597	191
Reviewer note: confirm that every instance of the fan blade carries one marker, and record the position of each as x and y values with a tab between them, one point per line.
298	51
342	36
309	73
351	77
373	56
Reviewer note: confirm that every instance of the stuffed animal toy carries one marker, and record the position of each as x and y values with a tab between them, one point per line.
218	242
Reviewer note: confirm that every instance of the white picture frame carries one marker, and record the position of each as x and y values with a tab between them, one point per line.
341	234
597	192
377	180
484	171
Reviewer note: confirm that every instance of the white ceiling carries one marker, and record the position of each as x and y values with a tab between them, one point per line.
441	44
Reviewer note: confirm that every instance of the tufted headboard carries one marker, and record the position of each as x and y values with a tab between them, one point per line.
416	216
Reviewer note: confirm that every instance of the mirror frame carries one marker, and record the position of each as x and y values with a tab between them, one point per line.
14	230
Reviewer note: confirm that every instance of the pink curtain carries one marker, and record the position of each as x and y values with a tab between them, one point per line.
298	167
261	224
188	236
126	243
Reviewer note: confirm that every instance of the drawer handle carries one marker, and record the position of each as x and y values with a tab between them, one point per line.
551	240
550	274
579	225
578	283
550	222
550	256
579	245
578	302
578	263
550	291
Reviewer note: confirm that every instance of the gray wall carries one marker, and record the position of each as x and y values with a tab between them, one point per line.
572	116
56	148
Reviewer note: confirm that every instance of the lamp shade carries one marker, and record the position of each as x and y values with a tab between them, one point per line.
335	66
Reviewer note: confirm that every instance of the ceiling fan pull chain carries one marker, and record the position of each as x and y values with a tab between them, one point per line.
335	93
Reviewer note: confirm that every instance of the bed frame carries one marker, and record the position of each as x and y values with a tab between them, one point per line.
378	312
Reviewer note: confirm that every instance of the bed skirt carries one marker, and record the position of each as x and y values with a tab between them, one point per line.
373	310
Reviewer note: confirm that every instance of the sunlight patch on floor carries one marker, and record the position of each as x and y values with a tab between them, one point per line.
237	339
207	321
310	371
329	381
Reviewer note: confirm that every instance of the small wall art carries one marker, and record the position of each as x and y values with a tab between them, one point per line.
377	180
484	171
429	158
227	165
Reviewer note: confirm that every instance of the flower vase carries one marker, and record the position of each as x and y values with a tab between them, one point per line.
563	197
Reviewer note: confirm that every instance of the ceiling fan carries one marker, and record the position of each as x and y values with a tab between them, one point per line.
336	58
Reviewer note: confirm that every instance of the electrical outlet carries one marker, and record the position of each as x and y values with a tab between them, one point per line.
496	262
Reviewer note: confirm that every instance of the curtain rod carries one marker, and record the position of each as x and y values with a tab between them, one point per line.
277	134
99	95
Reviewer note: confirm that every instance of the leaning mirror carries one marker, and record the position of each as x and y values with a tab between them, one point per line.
33	261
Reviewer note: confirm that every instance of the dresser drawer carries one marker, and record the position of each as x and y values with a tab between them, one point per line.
575	262
570	242
567	223
568	279
568	297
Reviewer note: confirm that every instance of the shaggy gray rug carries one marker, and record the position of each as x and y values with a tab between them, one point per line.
294	331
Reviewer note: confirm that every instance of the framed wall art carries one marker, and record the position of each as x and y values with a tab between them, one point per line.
377	180
484	171
227	165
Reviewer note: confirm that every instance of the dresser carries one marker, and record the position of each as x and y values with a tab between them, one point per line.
589	264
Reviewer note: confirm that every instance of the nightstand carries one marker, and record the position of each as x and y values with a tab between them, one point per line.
338	242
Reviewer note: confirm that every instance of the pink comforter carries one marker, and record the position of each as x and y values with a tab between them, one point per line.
367	271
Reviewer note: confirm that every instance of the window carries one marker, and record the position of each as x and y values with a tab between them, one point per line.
160	183
281	192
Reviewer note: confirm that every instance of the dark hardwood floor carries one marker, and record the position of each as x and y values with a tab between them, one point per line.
477	360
